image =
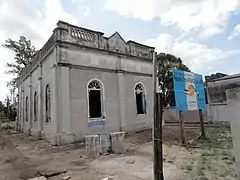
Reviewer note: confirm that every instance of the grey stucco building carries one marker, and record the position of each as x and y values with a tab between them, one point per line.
217	87
82	82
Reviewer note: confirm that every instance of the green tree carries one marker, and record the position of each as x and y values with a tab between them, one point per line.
165	64
9	110
2	106
7	105
24	52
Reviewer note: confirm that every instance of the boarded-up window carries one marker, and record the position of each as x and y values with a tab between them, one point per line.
141	104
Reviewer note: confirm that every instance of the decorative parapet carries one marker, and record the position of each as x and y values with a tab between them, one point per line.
95	39
67	33
140	50
79	35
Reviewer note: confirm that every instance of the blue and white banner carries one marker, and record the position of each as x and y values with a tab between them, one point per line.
189	91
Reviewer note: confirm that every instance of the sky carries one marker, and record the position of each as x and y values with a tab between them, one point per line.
205	34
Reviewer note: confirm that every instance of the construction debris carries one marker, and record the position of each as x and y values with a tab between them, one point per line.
92	145
108	178
38	178
118	146
130	161
48	174
105	143
66	177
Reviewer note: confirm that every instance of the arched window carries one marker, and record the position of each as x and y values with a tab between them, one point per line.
140	99
95	100
35	106
26	108
48	103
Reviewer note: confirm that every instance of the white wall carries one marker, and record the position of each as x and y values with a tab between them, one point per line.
107	61
119	103
214	113
35	129
69	101
90	59
133	120
79	102
233	99
26	89
30	85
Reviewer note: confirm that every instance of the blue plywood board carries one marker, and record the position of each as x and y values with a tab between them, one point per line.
189	91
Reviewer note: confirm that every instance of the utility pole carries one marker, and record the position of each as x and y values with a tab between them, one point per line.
157	124
8	113
203	135
0	120
182	130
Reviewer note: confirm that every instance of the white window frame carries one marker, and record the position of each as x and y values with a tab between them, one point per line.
135	98
102	94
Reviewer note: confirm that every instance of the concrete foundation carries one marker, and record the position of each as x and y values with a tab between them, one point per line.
105	143
35	133
117	139
92	145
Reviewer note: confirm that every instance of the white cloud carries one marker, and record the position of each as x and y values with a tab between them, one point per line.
198	57
80	7
236	32
186	14
163	43
29	18
211	31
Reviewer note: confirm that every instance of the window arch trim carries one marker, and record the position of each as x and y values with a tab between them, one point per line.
138	90
102	96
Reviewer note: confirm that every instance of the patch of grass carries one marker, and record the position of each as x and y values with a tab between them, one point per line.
207	154
233	158
215	159
227	156
5	120
223	174
200	173
7	127
234	175
187	167
202	167
229	162
203	178
215	138
209	167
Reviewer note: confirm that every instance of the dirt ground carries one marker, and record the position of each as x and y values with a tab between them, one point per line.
23	157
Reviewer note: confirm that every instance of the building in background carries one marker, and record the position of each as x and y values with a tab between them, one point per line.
217	86
82	82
